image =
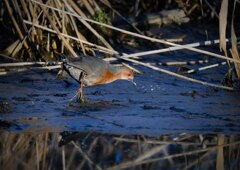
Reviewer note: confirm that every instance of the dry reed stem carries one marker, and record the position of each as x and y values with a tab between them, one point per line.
59	34
71	37
177	75
63	28
106	2
88	7
189	165
2	73
37	154
140	36
31	40
150	152
157	142
71	159
25	9
63	158
80	13
133	163
7	57
78	35
169	49
181	63
15	24
93	144
234	49
23	64
12	49
223	25
85	156
220	157
45	140
206	67
212	8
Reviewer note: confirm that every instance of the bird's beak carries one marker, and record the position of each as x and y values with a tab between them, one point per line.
134	83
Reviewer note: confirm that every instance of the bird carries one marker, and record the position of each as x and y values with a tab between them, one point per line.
92	71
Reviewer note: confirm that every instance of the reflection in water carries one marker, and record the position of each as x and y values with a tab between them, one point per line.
104	151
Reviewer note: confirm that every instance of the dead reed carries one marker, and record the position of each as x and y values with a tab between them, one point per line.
64	26
71	150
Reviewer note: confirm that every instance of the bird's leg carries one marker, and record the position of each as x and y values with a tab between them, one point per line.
81	98
80	92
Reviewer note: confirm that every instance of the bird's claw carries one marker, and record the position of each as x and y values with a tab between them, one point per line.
80	98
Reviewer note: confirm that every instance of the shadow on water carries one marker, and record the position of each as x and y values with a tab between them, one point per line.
90	150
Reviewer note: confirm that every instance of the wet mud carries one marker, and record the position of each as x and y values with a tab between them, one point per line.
162	123
158	104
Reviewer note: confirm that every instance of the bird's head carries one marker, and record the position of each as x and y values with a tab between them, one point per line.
126	74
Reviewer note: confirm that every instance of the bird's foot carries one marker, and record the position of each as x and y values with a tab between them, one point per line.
80	98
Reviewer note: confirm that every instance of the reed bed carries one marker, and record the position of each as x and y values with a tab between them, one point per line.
72	150
64	26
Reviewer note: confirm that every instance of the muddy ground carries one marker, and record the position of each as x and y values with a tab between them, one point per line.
163	108
159	103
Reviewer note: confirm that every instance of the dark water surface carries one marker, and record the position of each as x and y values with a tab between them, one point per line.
162	123
159	104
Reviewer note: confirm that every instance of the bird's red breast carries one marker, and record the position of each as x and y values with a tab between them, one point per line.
106	77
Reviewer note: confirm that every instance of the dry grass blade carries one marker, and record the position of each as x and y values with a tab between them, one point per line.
93	144
12	49
85	156
150	153
45	147
15	23
106	50
37	154
223	25
234	50
197	160
63	158
220	157
138	35
106	2
79	11
133	163
157	142
78	34
59	33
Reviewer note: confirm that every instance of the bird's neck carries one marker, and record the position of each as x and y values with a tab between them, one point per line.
118	72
